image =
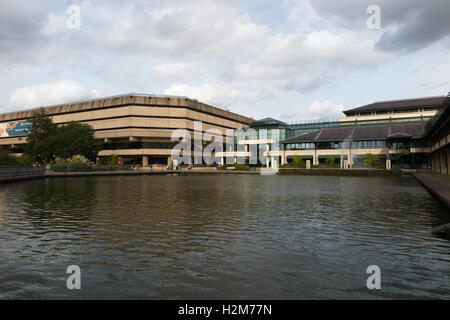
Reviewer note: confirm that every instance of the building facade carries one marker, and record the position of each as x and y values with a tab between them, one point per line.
136	127
438	136
392	130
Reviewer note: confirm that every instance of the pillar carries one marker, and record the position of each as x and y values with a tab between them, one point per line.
315	160
169	161
308	164
448	158
388	164
145	161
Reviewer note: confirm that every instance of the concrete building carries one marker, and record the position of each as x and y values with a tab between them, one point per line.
391	130
393	111
438	136
136	127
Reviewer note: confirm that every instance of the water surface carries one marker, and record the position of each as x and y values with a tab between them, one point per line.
222	237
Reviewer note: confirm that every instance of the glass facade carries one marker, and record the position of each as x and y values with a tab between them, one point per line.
364	144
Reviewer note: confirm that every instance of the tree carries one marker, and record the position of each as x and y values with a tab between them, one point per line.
40	139
76	138
370	159
6	159
298	162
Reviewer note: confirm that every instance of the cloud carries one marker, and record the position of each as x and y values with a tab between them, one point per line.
178	71
317	110
54	25
221	94
49	94
407	25
318	51
210	29
421	25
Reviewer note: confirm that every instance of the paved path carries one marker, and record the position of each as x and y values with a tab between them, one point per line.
437	184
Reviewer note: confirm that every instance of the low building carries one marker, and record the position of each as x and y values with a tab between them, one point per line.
391	130
397	145
136	127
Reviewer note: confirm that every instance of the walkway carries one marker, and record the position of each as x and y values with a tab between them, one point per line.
437	184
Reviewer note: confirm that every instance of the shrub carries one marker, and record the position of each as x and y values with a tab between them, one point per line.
75	164
329	161
370	160
235	166
25	160
111	160
298	162
6	159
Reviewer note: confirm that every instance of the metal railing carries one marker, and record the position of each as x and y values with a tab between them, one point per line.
18	172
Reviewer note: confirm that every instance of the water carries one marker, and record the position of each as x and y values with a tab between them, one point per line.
220	237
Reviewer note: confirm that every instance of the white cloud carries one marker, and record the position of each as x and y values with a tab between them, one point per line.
54	25
178	71
212	29
49	94
221	94
318	51
316	110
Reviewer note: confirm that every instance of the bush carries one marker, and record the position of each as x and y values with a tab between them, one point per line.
75	164
235	166
329	161
111	160
6	159
370	160
298	162
25	160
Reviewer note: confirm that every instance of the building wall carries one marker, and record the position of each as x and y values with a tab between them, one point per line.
137	118
417	115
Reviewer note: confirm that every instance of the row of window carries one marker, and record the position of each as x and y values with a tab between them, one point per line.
138	145
373	144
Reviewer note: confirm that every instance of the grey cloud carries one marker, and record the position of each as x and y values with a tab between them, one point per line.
409	25
20	25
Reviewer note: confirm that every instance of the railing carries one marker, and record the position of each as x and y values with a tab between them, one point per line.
8	173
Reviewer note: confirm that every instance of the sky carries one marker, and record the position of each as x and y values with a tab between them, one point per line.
291	60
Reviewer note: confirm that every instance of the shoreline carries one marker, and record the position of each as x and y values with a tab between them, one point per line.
436	184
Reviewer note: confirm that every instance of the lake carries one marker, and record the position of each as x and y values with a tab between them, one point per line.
222	237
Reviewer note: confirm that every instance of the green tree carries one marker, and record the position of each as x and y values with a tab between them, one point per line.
40	144
76	138
329	161
370	159
6	159
298	162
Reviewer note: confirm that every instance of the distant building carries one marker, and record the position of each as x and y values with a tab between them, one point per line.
136	127
391	130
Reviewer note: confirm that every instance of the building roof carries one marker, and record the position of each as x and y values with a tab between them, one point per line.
398	105
268	122
440	117
414	130
125	100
